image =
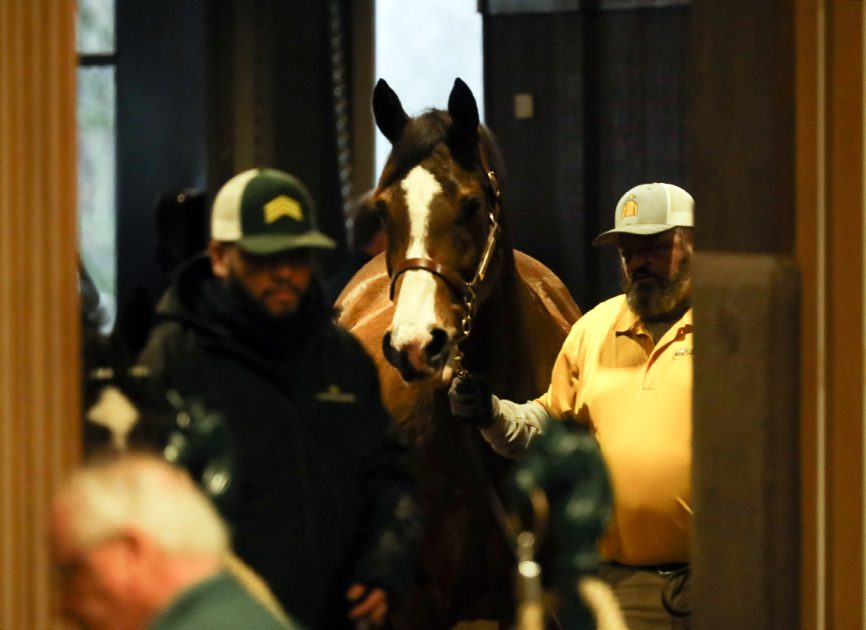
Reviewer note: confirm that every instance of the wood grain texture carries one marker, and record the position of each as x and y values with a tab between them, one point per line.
39	313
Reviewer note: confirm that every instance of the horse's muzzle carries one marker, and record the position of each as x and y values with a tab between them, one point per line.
419	361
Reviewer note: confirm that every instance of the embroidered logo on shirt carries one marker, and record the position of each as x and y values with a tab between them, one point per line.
683	352
335	395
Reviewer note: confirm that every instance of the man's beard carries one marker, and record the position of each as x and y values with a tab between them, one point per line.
652	297
253	306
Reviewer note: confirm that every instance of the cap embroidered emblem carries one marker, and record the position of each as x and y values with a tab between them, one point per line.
283	206
630	207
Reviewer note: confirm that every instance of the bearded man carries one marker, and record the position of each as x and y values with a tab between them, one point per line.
625	371
323	505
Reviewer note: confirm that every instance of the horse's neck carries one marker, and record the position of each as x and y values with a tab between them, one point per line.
498	348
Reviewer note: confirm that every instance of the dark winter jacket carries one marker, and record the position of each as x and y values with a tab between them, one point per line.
323	497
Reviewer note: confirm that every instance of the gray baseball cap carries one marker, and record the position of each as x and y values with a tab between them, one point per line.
264	211
650	209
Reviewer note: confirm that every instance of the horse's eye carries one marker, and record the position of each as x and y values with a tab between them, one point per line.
470	206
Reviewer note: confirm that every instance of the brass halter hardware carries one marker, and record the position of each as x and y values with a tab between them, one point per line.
466	290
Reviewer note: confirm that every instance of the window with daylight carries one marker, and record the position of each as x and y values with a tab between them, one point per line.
419	52
96	155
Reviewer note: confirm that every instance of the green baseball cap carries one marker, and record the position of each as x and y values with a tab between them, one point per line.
264	211
650	209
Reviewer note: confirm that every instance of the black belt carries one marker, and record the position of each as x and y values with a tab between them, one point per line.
661	569
675	591
665	569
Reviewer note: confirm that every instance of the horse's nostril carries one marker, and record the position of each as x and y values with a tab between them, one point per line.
387	349
438	344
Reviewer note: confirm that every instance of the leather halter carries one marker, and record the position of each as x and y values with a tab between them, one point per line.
466	290
451	278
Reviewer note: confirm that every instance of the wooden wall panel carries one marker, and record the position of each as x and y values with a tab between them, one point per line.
746	471
610	94
811	256
831	206
745	441
39	316
845	317
743	124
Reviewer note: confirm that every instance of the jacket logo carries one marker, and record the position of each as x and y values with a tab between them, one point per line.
630	207
283	206
335	395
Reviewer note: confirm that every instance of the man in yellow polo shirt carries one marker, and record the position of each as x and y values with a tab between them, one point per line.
625	370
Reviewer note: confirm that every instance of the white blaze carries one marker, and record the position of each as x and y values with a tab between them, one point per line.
414	314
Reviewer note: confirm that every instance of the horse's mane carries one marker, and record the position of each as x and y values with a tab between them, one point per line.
424	133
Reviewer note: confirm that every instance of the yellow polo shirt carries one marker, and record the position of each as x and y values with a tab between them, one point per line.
637	397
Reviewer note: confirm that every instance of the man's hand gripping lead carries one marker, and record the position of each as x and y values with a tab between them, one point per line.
472	402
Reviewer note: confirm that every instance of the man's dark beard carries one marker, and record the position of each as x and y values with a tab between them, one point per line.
652	297
252	306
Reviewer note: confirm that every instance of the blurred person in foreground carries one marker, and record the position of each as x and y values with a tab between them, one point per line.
137	546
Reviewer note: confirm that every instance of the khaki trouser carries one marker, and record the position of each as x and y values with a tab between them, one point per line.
641	592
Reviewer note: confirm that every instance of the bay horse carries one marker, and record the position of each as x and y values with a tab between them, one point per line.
451	294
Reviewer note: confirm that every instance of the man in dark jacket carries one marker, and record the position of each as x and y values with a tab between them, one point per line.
323	506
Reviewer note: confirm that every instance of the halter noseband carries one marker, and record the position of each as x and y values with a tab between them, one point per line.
466	290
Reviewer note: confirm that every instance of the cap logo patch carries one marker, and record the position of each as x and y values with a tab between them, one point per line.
630	208
283	206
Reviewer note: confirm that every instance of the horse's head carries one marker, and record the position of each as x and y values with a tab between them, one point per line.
439	200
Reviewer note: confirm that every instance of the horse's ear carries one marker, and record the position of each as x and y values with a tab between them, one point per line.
388	111
464	111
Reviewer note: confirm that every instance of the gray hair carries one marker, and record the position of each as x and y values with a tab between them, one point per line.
143	492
